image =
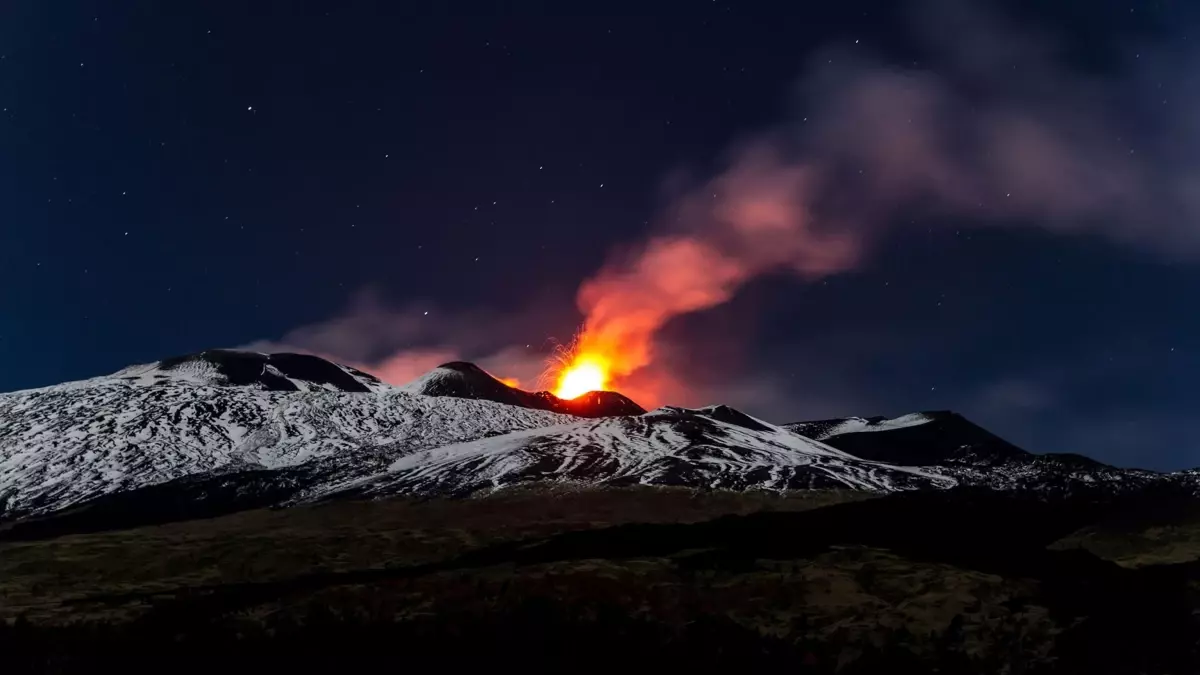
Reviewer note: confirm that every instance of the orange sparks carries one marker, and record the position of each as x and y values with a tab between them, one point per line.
576	370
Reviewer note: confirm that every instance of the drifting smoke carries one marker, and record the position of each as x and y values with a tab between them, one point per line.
996	129
399	345
751	220
1002	133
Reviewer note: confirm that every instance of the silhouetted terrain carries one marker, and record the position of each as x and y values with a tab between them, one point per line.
970	581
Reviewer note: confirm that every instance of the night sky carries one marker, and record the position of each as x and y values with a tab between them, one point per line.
389	184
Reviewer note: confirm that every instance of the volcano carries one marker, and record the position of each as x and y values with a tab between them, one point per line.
226	430
467	380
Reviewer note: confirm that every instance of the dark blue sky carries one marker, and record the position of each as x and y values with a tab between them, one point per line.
186	175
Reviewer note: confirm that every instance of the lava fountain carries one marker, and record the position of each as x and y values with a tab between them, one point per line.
585	374
575	370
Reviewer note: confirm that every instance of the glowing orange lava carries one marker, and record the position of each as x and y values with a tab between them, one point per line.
511	381
581	374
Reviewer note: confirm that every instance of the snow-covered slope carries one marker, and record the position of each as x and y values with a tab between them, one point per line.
326	429
68	443
714	447
822	429
233	428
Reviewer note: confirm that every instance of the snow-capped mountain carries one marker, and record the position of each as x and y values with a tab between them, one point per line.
240	429
68	443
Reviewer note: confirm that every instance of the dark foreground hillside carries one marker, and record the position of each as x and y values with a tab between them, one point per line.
954	582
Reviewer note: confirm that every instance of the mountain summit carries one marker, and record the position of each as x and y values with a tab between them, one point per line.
467	380
269	372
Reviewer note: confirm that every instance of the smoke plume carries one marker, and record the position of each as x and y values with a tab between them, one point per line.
995	127
997	131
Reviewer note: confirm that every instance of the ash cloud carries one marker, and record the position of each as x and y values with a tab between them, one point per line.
999	129
996	128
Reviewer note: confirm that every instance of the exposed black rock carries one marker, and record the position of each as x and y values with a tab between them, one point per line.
973	455
275	372
466	380
724	413
946	437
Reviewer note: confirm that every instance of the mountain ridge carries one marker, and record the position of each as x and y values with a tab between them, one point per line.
292	429
462	379
283	371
